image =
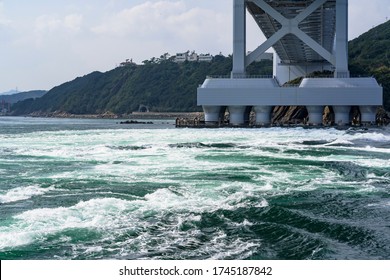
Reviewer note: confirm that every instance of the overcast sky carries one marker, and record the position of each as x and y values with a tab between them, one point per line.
46	43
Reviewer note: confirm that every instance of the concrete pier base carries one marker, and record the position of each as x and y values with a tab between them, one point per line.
213	114
315	114
263	114
341	115
237	115
368	114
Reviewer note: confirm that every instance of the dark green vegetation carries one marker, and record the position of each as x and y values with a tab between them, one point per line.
370	54
164	86
161	85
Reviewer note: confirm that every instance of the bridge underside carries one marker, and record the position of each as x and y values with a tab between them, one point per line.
319	26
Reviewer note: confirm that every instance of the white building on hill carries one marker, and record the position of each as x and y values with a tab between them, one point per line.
193	57
205	58
181	57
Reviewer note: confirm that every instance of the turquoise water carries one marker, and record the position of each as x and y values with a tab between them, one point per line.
94	189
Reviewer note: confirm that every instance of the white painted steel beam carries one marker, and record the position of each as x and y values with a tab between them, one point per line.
290	26
265	46
239	38
342	39
309	10
315	46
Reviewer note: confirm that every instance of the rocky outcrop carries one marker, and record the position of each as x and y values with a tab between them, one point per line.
289	114
299	114
382	116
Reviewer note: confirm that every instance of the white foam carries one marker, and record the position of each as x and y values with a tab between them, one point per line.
103	214
23	193
15	238
110	215
339	142
189	196
221	248
94	249
381	205
372	136
93	213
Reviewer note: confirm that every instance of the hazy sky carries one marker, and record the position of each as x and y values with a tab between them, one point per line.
46	43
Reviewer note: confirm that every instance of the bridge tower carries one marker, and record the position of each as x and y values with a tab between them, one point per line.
307	36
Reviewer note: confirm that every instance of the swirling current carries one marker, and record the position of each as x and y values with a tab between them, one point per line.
95	189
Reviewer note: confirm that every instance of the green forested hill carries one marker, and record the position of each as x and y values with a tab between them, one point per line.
163	86
370	55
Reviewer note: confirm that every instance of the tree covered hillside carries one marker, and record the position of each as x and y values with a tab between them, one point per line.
161	85
370	55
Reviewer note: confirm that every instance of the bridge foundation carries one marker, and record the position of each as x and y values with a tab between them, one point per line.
213	114
237	115
263	114
315	114
341	115
368	114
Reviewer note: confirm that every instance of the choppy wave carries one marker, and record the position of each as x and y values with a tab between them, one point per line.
275	193
22	193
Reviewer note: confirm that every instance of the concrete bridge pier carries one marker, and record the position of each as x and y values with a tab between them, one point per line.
237	115
315	114
368	114
214	114
341	115
263	114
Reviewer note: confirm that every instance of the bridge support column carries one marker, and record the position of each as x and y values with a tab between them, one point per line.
263	114
315	114
213	114
341	115
368	114
237	115
341	39
239	39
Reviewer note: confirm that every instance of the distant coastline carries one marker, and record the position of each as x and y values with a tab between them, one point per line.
281	116
110	115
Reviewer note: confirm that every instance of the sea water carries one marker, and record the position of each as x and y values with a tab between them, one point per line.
96	189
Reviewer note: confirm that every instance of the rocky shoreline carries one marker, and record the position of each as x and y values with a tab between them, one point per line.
282	115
